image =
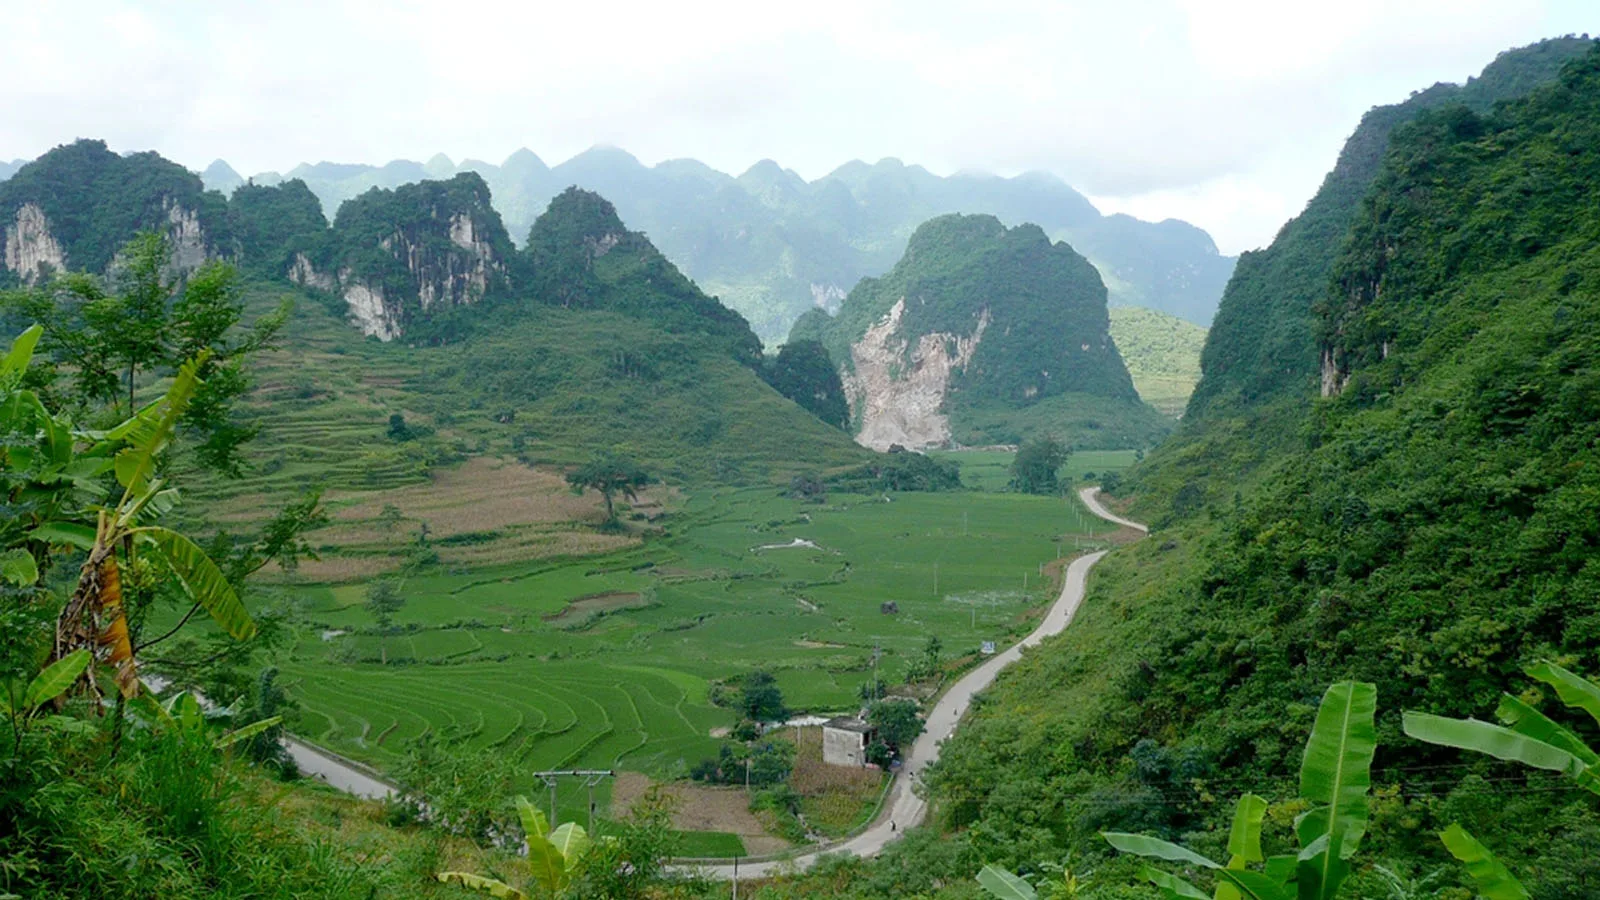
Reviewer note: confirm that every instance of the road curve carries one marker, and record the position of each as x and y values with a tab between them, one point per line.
904	809
1091	499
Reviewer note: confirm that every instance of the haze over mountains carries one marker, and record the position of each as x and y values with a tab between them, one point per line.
772	245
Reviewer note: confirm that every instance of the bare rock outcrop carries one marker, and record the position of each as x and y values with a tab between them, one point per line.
30	248
901	403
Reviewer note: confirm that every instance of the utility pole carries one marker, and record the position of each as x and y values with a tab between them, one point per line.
936	578
591	778
963	523
876	651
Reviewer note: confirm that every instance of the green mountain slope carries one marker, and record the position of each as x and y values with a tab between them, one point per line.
982	335
1162	353
773	245
1261	363
1431	527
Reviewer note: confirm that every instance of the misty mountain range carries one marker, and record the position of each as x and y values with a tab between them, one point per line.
772	245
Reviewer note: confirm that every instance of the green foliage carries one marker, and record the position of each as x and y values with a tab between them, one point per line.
112	336
897	722
581	257
1335	778
899	470
274	223
1429	529
1261	363
1035	467
760	699
610	475
803	372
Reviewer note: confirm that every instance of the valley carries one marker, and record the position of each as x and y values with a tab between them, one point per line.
608	530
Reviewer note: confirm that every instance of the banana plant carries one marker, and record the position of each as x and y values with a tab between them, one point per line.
186	713
1528	736
94	617
1335	776
554	856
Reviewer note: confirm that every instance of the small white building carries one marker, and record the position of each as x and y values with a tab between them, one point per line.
844	741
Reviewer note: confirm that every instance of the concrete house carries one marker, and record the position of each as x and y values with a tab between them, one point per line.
844	741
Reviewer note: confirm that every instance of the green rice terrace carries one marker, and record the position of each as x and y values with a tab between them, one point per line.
608	661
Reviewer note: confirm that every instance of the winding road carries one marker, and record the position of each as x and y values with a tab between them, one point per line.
903	808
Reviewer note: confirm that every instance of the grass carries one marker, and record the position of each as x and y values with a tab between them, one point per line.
1162	353
707	845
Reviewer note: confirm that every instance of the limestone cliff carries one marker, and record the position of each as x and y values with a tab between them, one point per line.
405	261
981	334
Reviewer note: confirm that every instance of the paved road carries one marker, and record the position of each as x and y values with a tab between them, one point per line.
904	809
314	762
1091	499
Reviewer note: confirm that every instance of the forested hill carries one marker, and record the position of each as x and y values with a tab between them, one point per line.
981	335
1261	346
1432	528
772	245
75	206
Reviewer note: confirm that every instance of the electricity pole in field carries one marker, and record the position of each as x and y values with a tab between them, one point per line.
591	779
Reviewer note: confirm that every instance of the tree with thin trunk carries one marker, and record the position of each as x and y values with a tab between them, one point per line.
610	475
383	601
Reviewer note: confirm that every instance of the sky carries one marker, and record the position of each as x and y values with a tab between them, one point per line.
1226	113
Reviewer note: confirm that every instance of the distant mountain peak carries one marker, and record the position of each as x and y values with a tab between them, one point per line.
525	160
439	166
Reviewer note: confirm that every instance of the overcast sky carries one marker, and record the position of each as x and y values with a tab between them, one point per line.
1226	113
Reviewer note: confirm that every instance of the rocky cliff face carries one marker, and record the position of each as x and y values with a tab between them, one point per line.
31	250
979	334
403	260
903	403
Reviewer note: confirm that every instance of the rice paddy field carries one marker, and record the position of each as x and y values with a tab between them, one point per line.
609	661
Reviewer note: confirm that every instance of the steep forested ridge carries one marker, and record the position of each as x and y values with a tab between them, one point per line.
1261	345
1432	527
581	256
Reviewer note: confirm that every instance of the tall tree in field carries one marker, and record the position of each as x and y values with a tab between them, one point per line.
759	698
1035	468
610	475
383	601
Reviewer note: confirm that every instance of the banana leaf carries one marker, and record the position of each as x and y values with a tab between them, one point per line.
1004	885
1335	773
1493	880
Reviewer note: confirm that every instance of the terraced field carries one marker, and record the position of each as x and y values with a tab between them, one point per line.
610	661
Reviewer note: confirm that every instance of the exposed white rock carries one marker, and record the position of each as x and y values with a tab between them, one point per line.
1333	381
827	296
462	234
30	246
302	272
898	403
368	309
185	236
